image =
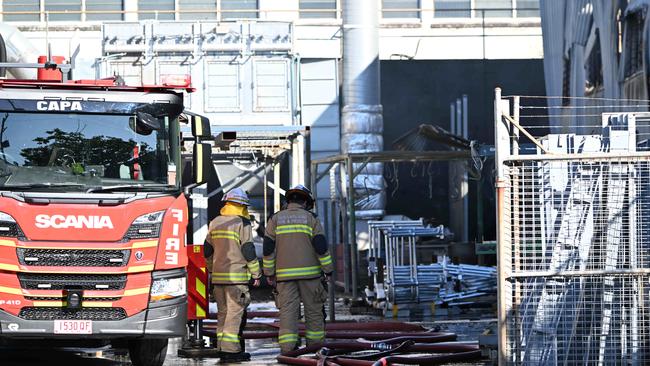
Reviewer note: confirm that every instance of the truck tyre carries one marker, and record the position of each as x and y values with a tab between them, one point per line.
148	352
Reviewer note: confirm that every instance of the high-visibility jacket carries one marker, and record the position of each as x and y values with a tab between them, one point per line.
230	251
295	246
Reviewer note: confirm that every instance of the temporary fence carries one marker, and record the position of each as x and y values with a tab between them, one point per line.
573	231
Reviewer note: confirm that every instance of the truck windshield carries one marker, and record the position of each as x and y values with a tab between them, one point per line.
82	151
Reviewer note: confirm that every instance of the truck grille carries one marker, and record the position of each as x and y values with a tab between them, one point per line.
33	313
45	298
142	231
10	230
37	281
73	257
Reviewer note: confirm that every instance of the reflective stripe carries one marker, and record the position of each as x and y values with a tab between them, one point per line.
228	340
200	313
220	236
253	266
230	276
198	126
146	244
294	232
136	291
17	291
268	263
325	260
200	287
292	229
224	234
230	337
298	269
288	338
9	243
298	272
219	336
315	334
133	269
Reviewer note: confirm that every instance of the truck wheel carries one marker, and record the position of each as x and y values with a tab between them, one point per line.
148	352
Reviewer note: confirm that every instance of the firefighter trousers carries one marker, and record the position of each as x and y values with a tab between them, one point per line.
232	301
313	296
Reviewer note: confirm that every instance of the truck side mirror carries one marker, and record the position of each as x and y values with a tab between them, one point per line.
145	123
202	162
200	127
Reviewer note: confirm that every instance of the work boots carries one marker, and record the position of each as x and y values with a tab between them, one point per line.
230	357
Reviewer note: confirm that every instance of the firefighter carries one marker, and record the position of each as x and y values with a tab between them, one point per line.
295	258
232	261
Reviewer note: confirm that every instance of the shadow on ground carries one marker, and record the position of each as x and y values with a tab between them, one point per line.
36	357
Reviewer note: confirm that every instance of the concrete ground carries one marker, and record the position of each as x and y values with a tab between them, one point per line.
262	354
468	326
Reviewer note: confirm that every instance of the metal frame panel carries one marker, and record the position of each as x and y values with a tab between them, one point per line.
176	65
120	67
206	86
257	63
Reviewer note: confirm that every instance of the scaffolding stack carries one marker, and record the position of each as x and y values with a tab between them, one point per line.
397	273
574	241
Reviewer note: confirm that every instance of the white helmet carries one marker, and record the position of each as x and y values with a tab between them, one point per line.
302	191
237	195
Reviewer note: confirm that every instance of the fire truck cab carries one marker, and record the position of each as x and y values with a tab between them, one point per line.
93	216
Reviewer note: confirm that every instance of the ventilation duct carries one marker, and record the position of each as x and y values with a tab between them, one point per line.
362	122
19	49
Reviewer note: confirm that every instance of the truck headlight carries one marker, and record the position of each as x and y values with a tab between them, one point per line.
146	226
5	217
8	226
168	288
150	218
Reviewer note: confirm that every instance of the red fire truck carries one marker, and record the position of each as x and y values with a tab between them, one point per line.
93	215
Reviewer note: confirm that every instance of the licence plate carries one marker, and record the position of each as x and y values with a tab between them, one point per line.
73	327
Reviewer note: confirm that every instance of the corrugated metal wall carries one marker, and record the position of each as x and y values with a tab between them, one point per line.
552	13
574	33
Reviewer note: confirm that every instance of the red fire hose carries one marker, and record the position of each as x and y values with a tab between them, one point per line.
420	360
367	356
437	337
209	329
253	314
426	360
344	325
371	326
448	347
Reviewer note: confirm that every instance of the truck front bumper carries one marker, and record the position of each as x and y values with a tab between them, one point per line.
165	320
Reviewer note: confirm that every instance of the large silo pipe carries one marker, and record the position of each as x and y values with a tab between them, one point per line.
19	49
362	121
